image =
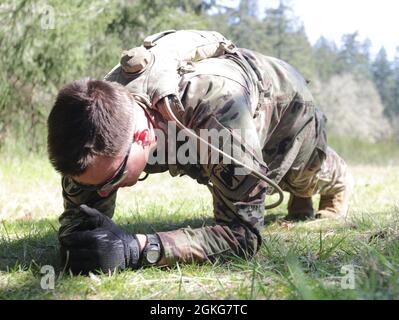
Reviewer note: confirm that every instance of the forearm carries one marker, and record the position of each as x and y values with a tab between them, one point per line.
207	244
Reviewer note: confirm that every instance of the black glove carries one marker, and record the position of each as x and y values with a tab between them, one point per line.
97	243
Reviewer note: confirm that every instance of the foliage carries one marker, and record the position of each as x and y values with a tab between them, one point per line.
358	94
44	45
138	19
353	108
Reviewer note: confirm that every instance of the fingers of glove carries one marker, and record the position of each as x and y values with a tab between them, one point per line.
96	219
105	222
90	213
87	238
88	210
92	217
85	260
110	249
98	239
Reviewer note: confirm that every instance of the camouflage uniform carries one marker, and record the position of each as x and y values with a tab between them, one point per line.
286	138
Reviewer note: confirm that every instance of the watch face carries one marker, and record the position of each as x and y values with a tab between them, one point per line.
152	255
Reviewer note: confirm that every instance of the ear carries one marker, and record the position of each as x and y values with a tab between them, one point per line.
142	137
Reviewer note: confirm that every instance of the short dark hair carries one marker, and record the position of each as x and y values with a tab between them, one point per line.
89	118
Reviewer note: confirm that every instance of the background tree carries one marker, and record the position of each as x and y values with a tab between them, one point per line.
353	109
138	19
395	93
383	77
44	45
354	56
286	35
325	55
243	26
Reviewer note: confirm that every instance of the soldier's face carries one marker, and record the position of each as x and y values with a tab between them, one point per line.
104	168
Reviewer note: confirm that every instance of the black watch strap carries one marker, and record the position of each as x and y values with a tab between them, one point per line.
133	258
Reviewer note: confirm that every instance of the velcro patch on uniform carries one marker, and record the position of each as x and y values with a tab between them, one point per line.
226	176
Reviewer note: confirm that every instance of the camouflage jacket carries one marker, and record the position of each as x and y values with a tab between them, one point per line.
263	96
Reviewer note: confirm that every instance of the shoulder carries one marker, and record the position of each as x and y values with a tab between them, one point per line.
214	70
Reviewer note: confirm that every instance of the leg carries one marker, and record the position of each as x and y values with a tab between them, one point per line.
335	185
301	182
299	208
326	174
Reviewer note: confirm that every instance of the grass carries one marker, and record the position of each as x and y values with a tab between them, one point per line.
362	152
296	261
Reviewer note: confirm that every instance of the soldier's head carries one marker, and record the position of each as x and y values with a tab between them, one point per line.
98	135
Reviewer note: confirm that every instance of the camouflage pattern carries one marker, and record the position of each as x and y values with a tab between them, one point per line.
73	197
323	174
286	138
169	50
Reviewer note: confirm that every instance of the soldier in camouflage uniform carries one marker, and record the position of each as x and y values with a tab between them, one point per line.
222	88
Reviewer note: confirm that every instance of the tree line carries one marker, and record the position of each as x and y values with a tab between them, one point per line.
45	44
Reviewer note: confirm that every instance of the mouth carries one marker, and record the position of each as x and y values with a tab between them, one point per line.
104	194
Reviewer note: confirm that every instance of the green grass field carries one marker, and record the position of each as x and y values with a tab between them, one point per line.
296	261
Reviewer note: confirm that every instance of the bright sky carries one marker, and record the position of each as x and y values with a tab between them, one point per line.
377	20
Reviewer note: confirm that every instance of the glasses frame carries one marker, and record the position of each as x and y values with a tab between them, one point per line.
117	178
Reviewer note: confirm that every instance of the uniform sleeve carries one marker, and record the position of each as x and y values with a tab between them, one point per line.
238	197
73	196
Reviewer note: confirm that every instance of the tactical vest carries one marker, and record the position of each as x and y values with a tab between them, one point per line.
160	76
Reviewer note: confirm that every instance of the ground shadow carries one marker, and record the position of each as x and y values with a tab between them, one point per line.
42	248
32	250
275	217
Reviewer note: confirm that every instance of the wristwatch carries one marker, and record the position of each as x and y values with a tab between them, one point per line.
152	251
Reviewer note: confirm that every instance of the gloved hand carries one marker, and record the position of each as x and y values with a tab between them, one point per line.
97	243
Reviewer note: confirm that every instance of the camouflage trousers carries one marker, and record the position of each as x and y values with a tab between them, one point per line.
324	174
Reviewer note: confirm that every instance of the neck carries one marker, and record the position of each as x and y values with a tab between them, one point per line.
144	121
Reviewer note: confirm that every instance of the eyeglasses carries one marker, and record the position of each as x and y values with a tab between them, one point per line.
119	175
